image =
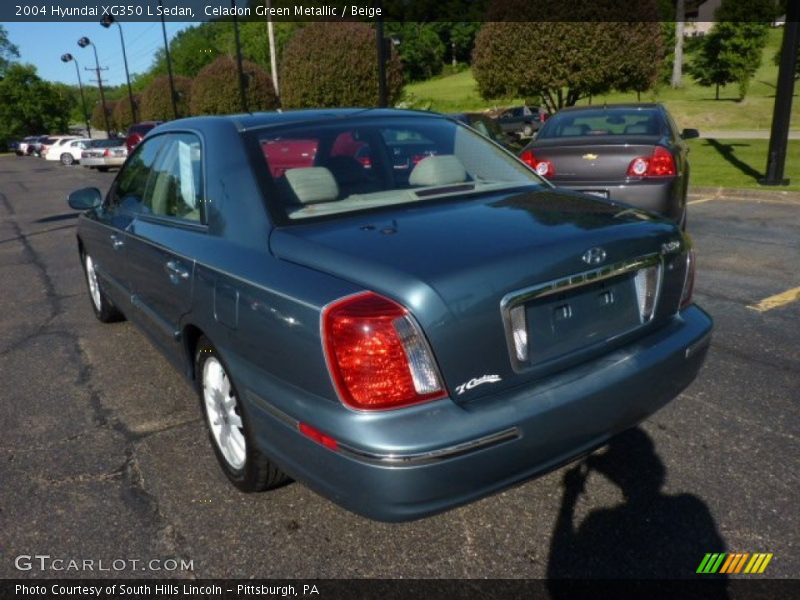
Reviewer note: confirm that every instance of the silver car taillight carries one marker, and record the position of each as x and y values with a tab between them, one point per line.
647	283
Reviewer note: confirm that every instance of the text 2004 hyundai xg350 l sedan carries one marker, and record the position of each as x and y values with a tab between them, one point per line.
386	306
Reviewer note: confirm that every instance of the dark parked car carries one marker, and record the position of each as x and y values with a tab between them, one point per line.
400	340
34	145
489	127
522	120
629	152
136	133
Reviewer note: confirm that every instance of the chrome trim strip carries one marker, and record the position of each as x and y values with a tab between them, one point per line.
563	284
432	456
397	460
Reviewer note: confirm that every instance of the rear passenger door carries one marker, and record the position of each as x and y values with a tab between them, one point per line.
168	226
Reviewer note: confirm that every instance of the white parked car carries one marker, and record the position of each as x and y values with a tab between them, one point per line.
54	142
68	151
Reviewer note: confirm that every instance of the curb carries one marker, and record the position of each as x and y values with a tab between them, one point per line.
722	192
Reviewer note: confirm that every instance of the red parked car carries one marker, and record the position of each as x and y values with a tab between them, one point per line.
136	133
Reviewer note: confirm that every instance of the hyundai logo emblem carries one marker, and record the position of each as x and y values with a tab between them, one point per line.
594	256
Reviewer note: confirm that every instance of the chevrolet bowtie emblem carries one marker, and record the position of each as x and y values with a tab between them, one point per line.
590	156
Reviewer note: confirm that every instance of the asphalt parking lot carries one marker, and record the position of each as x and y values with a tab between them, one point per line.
103	454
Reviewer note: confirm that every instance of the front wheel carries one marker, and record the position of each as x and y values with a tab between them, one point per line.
228	428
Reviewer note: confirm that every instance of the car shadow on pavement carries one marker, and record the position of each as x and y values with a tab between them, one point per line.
651	535
61	217
727	151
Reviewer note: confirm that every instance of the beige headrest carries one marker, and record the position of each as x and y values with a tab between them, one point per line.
312	184
438	170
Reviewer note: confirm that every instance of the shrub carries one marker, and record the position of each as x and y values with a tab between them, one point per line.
97	120
156	104
216	88
574	56
333	64
121	115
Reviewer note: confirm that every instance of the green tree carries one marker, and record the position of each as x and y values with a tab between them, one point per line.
333	64
156	104
731	51
420	48
215	90
29	105
573	55
8	51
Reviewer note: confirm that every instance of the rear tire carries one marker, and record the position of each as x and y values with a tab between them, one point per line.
229	427
527	131
67	159
103	308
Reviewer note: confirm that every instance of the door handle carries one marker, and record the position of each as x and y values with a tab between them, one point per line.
116	242
176	271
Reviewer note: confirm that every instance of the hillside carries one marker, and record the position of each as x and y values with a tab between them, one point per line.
691	105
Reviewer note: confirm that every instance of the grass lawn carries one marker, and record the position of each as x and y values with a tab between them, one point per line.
738	163
691	105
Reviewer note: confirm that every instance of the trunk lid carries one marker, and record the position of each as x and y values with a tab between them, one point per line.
454	264
598	159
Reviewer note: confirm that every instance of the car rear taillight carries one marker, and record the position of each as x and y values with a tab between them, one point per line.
107	152
377	355
659	164
688	282
544	168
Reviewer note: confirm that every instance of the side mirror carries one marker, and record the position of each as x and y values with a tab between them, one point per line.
688	134
85	199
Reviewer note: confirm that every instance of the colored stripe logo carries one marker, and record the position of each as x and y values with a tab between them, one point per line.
734	562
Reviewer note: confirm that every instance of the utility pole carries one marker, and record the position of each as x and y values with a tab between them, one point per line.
169	63
273	58
381	48
677	65
242	95
83	42
779	135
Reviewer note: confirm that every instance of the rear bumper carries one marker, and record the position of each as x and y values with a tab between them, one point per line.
656	195
88	161
427	459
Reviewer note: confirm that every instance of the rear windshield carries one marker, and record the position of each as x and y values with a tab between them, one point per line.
593	122
109	143
141	129
354	165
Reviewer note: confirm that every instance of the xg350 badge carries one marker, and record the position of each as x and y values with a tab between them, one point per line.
476	381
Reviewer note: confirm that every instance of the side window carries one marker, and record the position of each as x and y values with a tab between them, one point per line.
129	189
176	186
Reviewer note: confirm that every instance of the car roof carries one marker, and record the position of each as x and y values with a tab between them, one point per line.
249	121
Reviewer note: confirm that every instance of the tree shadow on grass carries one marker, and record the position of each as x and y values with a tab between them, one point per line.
728	152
